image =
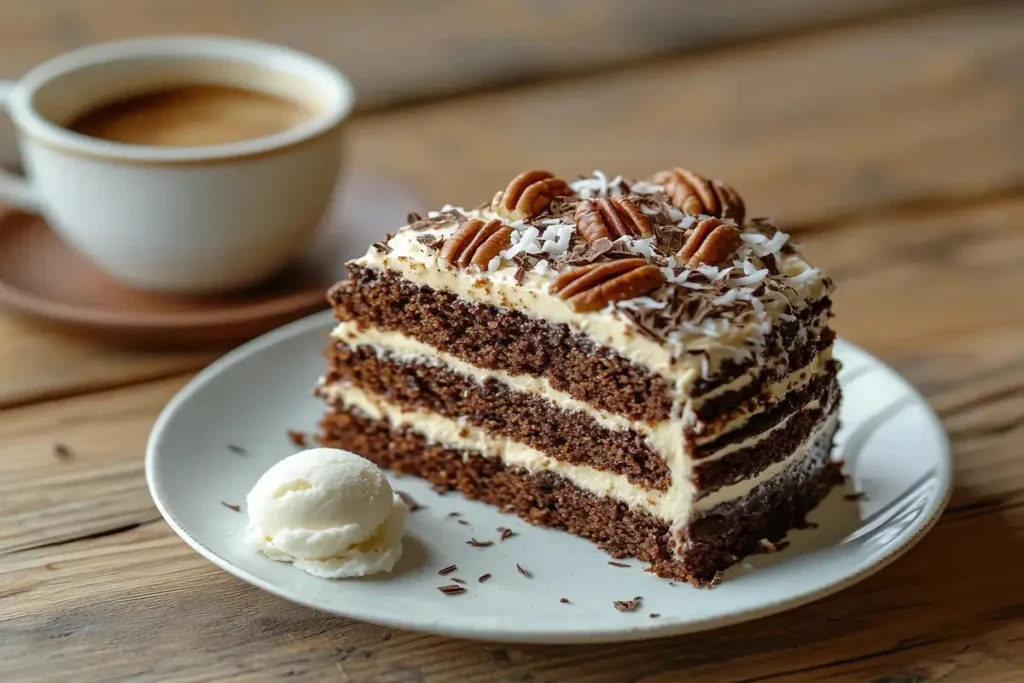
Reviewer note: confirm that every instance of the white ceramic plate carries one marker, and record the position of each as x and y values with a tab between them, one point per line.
894	447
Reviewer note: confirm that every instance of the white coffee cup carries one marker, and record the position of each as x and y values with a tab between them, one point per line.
178	219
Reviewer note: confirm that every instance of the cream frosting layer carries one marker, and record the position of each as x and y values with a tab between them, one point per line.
664	438
675	505
420	264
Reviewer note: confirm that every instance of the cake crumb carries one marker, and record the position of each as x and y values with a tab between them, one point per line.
296	437
409	501
505	532
628	605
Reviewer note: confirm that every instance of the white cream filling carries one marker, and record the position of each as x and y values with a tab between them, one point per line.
610	328
674	505
664	438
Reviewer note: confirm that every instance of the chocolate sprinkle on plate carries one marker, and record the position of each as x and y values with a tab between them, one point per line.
628	605
409	502
505	532
654	615
453	514
229	506
859	495
451	589
448	570
296	437
236	449
62	451
619	564
484	577
564	601
479	544
522	571
457	580
462	521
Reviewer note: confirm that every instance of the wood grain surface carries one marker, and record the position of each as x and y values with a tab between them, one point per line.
894	147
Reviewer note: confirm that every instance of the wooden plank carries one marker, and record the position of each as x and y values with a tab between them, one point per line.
810	130
397	51
118	603
40	364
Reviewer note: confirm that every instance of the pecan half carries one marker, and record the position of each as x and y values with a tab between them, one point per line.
528	195
611	218
476	243
696	195
594	286
710	243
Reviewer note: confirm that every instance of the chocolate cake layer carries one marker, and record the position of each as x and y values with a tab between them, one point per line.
774	447
570	436
793	349
503	339
765	417
727	532
717	540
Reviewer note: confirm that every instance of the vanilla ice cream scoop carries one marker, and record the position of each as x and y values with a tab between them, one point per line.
329	512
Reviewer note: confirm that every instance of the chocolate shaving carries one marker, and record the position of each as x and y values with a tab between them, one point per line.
484	577
628	605
229	506
505	532
457	580
618	564
62	451
452	589
237	449
296	437
447	570
409	501
522	571
430	241
479	544
521	270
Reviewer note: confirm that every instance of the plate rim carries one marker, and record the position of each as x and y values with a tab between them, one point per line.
921	527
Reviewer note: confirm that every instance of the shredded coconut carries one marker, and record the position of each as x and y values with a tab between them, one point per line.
751	279
644	187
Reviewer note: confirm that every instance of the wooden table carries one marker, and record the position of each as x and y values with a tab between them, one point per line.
888	136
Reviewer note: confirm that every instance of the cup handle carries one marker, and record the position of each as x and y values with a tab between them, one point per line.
15	189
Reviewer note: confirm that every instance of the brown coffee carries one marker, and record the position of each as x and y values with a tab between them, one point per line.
192	116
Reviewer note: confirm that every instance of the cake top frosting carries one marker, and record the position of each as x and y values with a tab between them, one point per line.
674	257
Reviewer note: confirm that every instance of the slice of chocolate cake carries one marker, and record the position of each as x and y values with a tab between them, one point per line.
633	362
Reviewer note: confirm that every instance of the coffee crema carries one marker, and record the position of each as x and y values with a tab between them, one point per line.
191	116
